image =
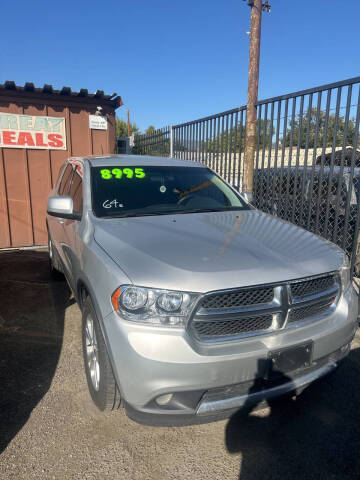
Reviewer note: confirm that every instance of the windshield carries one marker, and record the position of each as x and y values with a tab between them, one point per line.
150	190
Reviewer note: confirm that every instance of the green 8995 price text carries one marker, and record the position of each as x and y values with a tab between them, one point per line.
126	172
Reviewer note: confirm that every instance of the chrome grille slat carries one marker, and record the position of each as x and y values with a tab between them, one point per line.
287	303
238	311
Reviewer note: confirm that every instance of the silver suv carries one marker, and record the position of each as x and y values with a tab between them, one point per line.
194	303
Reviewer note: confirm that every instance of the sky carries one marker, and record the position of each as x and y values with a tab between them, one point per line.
175	61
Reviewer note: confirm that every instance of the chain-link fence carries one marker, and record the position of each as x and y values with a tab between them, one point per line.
307	166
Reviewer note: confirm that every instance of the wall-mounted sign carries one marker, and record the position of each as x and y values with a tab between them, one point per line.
29	131
98	122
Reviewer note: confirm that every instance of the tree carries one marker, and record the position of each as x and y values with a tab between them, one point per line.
151	129
153	142
313	130
221	143
122	128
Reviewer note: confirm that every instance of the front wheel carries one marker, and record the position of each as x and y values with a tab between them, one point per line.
100	378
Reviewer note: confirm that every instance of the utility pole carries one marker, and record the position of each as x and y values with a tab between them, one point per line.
257	7
128	122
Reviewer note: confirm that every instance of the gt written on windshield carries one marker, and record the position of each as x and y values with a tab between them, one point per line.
121	191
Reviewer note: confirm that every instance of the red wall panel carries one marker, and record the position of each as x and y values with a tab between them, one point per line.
80	132
5	240
39	182
17	182
17	189
57	157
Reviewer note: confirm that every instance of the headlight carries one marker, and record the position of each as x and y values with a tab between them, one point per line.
134	298
153	306
345	274
170	302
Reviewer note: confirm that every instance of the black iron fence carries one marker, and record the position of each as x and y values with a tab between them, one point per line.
307	166
155	143
307	162
217	141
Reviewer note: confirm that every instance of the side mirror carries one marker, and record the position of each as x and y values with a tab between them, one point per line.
62	207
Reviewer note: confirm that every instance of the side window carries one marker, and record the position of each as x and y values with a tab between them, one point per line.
65	181
76	192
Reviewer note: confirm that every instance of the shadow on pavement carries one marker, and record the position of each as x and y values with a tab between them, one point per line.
315	436
32	309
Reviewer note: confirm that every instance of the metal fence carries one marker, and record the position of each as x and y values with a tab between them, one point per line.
307	166
154	143
307	163
216	141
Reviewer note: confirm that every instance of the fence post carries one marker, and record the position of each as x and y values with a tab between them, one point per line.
253	86
171	141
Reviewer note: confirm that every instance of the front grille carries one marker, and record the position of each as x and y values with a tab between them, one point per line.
238	298
300	313
236	326
264	308
312	287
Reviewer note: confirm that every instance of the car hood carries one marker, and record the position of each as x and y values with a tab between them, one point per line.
209	251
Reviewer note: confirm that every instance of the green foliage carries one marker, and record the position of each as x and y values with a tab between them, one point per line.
157	148
151	129
222	142
300	128
122	128
152	142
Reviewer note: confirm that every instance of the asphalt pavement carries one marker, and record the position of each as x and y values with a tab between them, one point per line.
49	428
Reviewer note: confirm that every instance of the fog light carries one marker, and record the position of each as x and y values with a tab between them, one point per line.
164	399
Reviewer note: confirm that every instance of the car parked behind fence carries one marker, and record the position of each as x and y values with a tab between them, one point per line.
323	198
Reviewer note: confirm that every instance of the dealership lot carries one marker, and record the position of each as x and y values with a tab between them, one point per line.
50	429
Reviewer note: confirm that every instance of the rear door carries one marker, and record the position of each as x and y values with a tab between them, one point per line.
71	228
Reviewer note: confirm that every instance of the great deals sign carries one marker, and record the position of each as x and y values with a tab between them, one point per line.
27	131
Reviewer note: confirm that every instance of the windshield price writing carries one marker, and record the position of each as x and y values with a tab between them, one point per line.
126	172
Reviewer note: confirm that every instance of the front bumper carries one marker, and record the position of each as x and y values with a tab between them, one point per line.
211	381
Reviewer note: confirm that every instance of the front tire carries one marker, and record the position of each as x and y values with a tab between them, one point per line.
100	378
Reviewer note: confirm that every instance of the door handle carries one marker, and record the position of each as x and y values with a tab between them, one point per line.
60	220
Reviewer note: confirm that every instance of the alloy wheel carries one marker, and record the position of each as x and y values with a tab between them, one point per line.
92	353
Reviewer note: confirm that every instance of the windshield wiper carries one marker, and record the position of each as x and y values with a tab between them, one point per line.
171	212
